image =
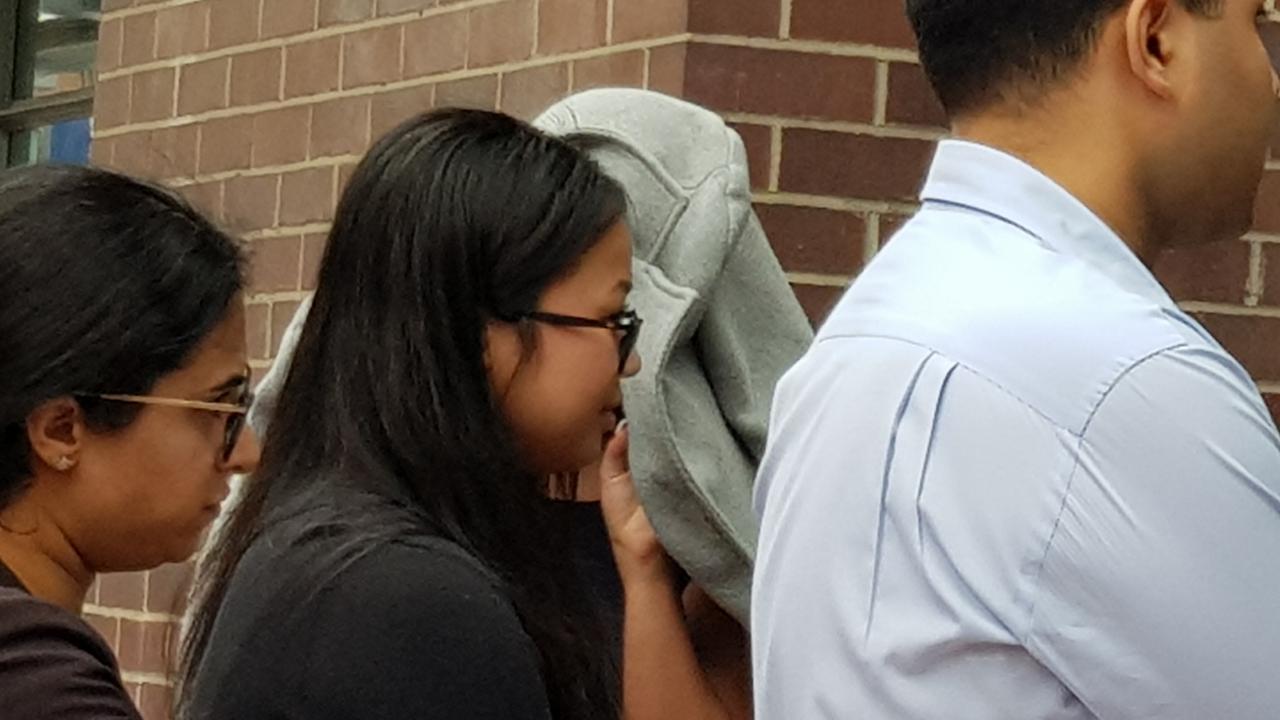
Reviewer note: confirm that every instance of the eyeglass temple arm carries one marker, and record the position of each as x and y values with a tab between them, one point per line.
175	402
569	321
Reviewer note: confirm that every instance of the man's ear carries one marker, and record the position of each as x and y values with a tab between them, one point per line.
1154	39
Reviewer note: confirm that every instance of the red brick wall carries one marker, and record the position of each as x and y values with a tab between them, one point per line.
257	110
840	124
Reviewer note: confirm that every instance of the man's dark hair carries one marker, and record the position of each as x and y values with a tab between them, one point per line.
977	52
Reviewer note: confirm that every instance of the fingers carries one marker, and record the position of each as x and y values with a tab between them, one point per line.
616	462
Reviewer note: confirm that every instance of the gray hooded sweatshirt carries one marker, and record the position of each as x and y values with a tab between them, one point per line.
721	326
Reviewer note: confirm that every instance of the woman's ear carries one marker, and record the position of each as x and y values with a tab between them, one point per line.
55	431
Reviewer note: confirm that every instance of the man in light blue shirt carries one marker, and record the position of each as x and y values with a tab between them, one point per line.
1011	479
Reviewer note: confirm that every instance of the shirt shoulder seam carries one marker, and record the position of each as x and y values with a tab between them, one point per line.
1034	589
1003	388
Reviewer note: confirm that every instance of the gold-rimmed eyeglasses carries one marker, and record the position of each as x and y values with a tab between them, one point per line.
237	412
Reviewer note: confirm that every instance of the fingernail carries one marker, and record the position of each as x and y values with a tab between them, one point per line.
622	427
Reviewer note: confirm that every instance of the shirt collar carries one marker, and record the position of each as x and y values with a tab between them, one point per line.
991	182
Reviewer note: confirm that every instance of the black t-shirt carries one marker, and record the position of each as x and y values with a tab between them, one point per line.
590	548
408	627
53	665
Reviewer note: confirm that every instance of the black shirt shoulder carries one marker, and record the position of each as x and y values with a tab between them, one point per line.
54	666
411	628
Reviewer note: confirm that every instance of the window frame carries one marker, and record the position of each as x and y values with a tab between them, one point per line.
18	26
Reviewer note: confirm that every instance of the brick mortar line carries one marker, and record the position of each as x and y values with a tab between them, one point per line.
335	193
537	18
208	26
279	194
126	614
775	157
300	278
818	279
608	22
145	678
466	74
310	164
286	231
812	47
784	20
284	70
278	297
144	9
871	239
226	83
881	113
1255	285
316	34
1210	308
901	132
1269	388
271	332
1261	237
342	61
155	36
828	202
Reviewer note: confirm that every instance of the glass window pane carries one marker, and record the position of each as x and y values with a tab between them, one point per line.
57	45
65	143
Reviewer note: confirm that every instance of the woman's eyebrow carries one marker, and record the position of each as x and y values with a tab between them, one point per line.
235	382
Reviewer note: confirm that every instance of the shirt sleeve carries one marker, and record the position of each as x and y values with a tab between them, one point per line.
421	634
1159	592
55	667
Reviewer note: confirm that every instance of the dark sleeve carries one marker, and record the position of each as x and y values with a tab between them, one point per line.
53	666
421	633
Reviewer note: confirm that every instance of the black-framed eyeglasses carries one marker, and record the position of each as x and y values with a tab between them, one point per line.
627	323
237	412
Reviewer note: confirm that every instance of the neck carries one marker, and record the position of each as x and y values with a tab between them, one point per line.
1084	157
39	554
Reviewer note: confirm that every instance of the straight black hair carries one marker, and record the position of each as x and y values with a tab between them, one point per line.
107	284
453	220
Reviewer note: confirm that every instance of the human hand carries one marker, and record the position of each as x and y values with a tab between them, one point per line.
636	548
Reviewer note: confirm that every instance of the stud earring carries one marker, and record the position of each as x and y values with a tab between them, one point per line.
64	463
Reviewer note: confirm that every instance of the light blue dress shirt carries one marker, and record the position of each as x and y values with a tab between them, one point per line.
1011	479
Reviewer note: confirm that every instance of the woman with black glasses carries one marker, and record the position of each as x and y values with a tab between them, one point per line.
123	393
395	555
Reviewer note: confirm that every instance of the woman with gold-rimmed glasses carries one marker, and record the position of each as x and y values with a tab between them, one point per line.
123	394
235	411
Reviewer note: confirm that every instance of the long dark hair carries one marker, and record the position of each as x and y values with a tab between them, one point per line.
106	285
454	219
